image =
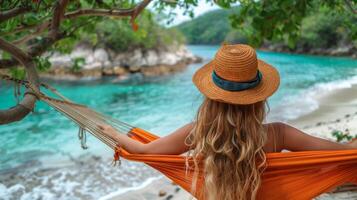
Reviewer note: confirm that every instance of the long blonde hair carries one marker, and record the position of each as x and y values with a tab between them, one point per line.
230	138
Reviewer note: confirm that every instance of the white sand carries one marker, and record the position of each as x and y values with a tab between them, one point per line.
337	111
169	191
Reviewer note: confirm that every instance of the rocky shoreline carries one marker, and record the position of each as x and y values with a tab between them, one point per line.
86	62
343	50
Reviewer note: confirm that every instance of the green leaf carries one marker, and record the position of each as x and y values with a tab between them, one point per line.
78	63
42	63
5	55
224	3
18	73
291	42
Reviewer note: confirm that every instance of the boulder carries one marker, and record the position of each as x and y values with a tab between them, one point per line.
101	61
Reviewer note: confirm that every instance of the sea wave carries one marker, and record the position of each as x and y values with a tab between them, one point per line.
308	100
89	178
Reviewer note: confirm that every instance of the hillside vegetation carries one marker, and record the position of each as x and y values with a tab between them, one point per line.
211	28
121	36
323	29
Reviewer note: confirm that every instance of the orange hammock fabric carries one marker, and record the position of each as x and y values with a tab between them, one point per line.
289	175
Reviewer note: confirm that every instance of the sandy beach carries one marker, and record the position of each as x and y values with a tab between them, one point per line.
337	111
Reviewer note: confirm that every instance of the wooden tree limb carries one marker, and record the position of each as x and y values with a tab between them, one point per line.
35	50
8	63
16	52
139	8
37	32
57	16
41	47
20	29
25	27
133	12
13	13
72	15
130	12
28	102
98	12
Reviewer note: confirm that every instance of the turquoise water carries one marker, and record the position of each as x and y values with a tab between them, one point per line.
158	104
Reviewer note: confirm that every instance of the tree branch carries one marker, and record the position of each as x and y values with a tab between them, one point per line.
132	12
40	47
39	30
14	51
8	63
139	8
98	12
28	102
72	15
35	50
20	29
13	13
57	16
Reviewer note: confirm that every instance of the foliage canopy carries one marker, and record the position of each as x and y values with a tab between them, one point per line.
323	28
28	28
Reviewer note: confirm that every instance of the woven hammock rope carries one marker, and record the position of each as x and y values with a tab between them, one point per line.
292	175
86	118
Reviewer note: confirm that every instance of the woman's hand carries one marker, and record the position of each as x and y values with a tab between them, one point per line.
109	131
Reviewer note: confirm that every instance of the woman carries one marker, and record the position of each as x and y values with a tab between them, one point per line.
229	131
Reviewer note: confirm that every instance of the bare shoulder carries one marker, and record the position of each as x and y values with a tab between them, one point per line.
276	126
279	127
276	132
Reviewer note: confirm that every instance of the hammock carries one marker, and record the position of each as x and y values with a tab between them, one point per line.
290	175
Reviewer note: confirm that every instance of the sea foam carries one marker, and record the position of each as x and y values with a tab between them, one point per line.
307	101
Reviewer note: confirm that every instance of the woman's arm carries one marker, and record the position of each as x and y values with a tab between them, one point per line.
296	140
172	144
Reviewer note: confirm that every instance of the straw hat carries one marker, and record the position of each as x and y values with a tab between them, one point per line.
236	76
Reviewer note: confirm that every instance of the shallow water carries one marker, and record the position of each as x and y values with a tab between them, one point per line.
40	156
